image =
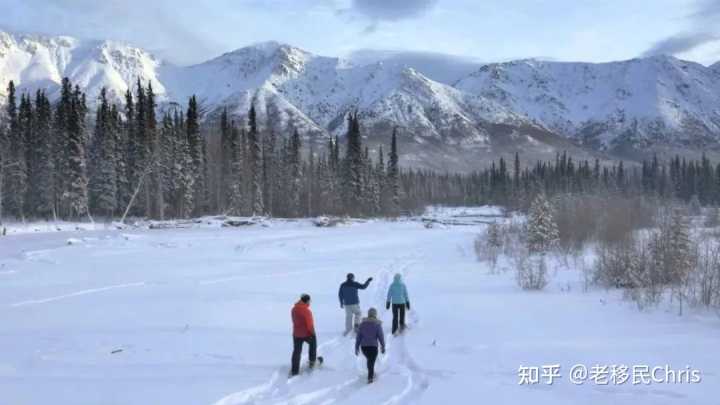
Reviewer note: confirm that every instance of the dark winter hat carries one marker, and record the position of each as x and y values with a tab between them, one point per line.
350	276
372	313
305	298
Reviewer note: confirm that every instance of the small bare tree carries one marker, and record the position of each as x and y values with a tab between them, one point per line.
489	245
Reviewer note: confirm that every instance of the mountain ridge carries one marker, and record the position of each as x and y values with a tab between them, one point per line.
532	105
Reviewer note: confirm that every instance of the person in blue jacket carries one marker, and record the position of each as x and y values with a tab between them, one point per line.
397	296
348	295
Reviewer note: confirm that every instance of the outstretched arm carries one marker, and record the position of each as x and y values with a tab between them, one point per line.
367	283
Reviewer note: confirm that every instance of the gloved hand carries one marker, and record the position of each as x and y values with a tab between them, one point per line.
342	306
407	305
357	352
370	279
382	350
387	305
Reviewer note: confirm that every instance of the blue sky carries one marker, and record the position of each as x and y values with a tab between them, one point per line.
484	30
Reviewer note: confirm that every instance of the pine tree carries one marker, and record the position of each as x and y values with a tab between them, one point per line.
226	162
103	178
197	151
154	185
61	150
255	162
353	167
184	169
27	117
682	254
236	171
77	195
381	179
40	195
15	177
393	176
271	174
124	143
542	230
295	174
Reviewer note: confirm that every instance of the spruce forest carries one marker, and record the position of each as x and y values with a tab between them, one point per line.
59	160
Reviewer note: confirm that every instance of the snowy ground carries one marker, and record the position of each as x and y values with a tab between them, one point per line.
201	316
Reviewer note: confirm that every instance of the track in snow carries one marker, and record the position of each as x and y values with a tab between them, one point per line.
76	294
343	376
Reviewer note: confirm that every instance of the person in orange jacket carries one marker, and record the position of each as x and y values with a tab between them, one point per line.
303	332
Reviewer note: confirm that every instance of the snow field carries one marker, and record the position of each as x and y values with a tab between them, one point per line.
202	316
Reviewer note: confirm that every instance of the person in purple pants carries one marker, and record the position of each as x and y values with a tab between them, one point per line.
370	335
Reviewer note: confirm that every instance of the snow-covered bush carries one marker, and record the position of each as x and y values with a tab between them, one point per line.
542	231
488	246
541	238
613	263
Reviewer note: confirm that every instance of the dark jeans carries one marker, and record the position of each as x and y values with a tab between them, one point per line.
371	353
297	352
398	314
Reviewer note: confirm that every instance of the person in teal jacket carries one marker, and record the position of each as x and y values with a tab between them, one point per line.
397	296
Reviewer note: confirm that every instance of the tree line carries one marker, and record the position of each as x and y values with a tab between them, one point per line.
54	164
516	186
58	162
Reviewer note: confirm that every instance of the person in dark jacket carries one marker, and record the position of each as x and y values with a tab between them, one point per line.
348	295
303	332
370	333
397	296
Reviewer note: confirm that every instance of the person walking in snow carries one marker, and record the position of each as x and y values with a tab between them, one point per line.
397	296
303	332
370	333
348	295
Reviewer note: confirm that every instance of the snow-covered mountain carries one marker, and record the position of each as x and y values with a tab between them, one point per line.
36	61
642	101
314	93
527	105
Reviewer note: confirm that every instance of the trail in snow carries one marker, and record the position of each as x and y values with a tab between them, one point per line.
76	294
343	374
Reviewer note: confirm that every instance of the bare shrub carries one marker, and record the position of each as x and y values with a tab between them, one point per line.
577	220
649	264
694	206
704	284
531	271
620	217
582	219
489	245
514	237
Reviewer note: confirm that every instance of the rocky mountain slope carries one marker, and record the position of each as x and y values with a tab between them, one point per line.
641	101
